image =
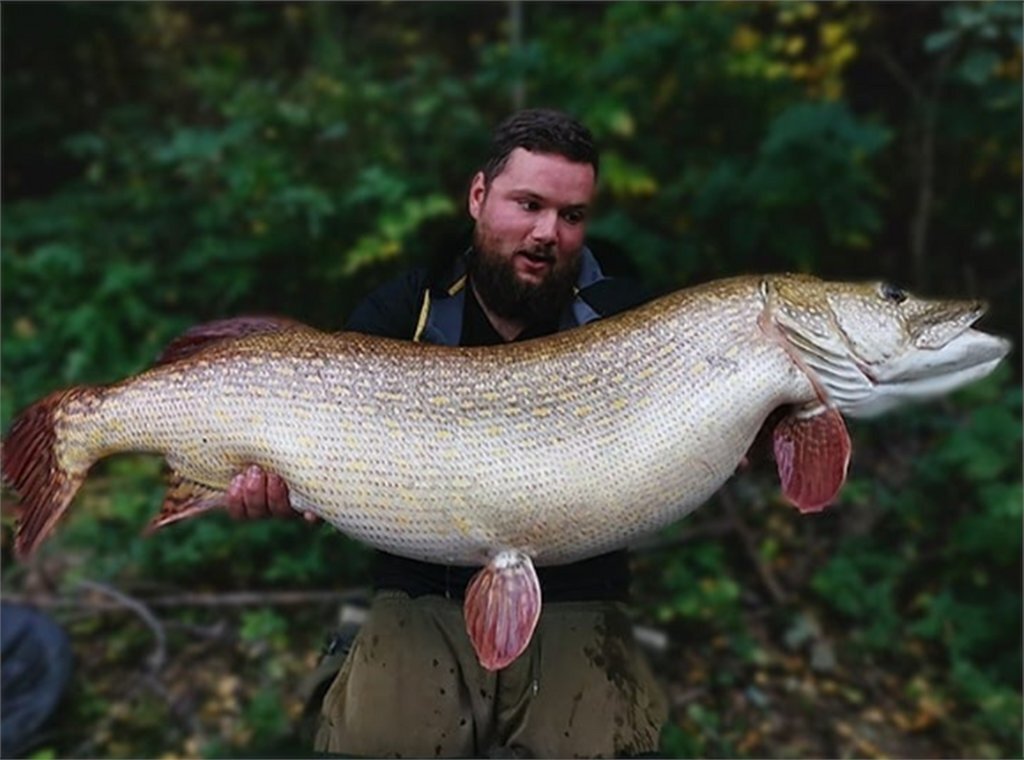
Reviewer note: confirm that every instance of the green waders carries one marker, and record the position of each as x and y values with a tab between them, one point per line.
411	687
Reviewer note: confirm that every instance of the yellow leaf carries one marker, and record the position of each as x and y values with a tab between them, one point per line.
24	327
843	54
831	34
745	39
808	10
622	124
800	71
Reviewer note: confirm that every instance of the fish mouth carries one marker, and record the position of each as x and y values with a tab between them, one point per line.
922	373
945	346
970	350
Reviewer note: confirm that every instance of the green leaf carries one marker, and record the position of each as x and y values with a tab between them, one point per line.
939	41
978	67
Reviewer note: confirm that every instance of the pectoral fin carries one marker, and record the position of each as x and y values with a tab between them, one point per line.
812	453
502	608
185	498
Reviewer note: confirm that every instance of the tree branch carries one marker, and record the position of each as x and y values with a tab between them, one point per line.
764	572
927	103
159	655
229	599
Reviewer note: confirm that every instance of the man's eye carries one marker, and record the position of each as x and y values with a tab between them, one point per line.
574	217
529	205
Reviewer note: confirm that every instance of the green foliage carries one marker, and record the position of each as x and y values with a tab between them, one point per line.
263	626
266	713
702	729
986	21
944	567
253	194
793	177
861	583
696	590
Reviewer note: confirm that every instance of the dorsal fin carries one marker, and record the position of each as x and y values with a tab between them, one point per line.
200	336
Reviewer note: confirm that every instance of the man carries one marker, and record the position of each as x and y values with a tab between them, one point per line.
411	685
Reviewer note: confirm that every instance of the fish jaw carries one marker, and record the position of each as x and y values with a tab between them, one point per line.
919	374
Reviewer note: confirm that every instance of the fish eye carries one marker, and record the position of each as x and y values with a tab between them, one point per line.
892	293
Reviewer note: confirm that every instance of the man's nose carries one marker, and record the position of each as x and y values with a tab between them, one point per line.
545	229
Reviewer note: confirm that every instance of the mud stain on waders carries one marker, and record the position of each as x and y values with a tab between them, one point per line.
575	706
609	652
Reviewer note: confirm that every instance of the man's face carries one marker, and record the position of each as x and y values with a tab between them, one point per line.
530	226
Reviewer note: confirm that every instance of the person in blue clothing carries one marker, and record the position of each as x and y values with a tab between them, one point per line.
411	684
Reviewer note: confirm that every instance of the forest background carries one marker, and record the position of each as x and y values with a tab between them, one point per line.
166	164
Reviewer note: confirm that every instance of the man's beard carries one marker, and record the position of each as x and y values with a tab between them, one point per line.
497	284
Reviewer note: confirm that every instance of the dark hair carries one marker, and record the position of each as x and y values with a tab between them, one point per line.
540	130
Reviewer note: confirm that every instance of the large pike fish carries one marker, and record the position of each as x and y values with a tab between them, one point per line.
533	453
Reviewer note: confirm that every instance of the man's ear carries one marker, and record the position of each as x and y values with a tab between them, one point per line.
477	193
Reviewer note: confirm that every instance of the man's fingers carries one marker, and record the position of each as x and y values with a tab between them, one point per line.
277	497
235	502
254	492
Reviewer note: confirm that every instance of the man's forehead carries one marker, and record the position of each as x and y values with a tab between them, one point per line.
547	175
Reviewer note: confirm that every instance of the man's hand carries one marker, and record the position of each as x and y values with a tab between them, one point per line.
256	494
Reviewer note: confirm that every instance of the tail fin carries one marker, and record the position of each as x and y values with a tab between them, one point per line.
31	467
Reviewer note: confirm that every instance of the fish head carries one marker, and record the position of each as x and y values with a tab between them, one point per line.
873	346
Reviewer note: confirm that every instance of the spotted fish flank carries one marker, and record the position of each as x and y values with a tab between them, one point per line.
601	435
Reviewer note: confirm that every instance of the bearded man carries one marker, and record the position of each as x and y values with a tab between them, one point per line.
411	684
